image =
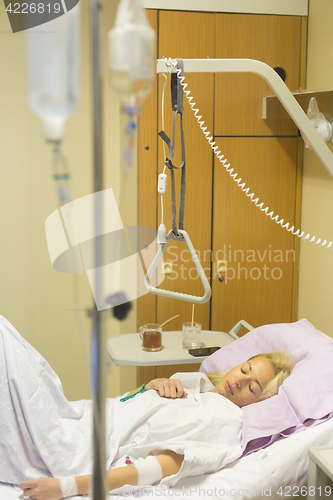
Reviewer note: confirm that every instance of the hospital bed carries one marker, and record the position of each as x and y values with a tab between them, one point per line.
279	469
276	471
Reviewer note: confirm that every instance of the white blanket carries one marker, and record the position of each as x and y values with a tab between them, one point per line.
42	434
204	426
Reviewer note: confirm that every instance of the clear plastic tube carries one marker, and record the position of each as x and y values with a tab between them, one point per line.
128	128
164	169
61	175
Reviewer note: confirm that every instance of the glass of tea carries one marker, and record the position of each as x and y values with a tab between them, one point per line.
151	336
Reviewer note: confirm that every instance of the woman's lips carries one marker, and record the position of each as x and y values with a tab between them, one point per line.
228	387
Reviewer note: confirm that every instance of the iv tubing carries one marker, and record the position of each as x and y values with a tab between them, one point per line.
163	94
234	176
60	170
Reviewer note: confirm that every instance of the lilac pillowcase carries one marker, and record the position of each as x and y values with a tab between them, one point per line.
305	398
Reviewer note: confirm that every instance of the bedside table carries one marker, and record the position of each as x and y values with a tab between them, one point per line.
320	478
126	349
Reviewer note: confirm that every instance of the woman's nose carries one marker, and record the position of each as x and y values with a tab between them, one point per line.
240	381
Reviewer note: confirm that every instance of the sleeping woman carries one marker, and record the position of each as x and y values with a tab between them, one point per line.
172	428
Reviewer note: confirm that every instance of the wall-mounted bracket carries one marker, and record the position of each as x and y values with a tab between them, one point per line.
272	108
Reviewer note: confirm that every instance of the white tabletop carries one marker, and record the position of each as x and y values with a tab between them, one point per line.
126	349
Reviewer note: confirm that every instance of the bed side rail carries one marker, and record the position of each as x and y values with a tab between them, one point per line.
235	329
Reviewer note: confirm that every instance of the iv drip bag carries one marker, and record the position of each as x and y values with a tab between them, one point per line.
131	54
53	71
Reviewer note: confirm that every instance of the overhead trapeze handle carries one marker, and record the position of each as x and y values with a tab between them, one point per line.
177	295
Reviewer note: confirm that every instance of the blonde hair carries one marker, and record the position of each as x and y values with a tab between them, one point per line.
281	364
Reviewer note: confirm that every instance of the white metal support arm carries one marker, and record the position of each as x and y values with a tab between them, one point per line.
274	81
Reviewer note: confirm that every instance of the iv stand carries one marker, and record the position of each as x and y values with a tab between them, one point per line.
99	489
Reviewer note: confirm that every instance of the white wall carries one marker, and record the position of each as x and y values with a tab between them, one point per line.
37	300
316	264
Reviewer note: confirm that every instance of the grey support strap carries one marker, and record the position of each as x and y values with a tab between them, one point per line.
177	106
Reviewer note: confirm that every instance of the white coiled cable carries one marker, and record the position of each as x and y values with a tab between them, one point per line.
234	175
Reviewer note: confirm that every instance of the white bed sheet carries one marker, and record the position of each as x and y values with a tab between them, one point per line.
265	473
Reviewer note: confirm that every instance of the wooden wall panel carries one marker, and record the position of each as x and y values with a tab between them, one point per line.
297	241
167	371
275	40
259	282
303	56
147	175
147	373
147	195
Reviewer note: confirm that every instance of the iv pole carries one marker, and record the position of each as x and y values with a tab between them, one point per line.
99	483
98	336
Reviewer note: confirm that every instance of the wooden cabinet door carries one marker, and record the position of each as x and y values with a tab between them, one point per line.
221	221
275	40
147	175
260	256
147	195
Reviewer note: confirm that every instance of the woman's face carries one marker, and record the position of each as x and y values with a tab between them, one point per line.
244	384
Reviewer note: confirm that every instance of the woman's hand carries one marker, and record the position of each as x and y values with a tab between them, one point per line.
44	488
167	388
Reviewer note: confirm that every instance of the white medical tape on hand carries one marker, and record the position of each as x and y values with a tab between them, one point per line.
149	470
68	486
